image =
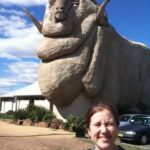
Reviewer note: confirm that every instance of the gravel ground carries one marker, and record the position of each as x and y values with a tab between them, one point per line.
14	137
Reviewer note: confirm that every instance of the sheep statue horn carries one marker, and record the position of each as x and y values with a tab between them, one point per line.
33	19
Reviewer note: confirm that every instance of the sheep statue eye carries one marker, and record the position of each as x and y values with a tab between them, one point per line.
76	3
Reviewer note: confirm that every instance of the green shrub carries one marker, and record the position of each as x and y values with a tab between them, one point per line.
20	114
69	123
40	112
5	116
10	112
31	107
49	116
32	115
74	122
35	113
80	123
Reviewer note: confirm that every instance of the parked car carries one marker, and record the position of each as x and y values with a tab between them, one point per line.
126	119
138	131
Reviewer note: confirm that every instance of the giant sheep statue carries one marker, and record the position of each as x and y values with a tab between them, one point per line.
84	60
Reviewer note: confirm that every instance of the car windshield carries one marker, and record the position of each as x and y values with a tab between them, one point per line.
141	121
124	118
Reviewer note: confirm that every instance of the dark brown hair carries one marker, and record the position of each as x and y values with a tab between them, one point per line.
99	107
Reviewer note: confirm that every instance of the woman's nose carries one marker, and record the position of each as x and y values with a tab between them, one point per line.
103	129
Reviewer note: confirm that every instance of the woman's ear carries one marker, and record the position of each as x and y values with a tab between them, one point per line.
88	131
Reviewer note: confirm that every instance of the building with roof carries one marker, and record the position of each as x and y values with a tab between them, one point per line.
21	98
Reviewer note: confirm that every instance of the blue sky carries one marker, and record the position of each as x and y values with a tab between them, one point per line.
19	37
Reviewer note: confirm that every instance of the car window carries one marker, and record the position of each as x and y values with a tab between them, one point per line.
124	118
137	121
136	117
146	121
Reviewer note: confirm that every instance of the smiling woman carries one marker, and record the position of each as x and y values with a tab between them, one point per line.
102	126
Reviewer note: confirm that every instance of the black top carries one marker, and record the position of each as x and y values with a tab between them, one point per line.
119	148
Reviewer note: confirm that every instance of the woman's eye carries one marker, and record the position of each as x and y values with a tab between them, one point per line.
97	124
109	124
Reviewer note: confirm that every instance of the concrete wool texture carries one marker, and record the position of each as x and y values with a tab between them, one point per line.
84	62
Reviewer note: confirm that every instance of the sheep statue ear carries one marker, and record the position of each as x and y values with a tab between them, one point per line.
101	17
51	2
33	19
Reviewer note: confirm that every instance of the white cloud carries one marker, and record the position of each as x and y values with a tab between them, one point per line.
12	22
18	41
11	12
23	2
4	90
24	71
18	73
7	82
9	56
20	46
23	67
19	38
6	85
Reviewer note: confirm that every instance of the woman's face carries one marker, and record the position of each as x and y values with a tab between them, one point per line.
103	130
